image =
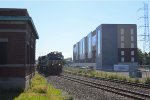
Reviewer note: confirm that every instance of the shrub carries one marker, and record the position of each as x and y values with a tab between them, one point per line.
130	80
80	71
101	74
147	81
113	76
137	80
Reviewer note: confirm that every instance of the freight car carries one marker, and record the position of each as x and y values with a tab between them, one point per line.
42	64
52	63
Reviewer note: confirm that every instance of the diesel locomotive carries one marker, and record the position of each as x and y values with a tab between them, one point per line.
52	63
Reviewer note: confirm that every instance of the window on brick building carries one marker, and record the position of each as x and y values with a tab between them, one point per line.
132	31
122	53
122	45
3	52
132	59
132	53
122	38
122	59
122	31
132	38
132	45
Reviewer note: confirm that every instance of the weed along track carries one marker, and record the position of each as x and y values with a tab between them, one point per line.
108	88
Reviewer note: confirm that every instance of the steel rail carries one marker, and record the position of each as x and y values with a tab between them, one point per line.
147	86
116	90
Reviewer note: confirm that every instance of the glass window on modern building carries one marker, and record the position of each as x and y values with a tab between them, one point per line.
132	59
77	52
132	53
89	45
132	31
99	42
94	40
122	38
132	45
74	51
122	31
122	59
81	49
132	38
122	45
122	53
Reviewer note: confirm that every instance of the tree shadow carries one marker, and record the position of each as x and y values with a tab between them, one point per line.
9	94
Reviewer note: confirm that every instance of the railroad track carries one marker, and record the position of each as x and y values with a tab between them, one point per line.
147	86
116	90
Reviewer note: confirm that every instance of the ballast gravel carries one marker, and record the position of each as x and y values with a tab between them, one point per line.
82	92
119	85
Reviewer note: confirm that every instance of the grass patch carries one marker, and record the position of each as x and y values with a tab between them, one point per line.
109	75
41	90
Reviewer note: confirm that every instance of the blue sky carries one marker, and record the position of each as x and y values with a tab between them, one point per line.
62	23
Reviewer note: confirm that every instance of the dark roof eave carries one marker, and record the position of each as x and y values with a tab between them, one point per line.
37	36
21	18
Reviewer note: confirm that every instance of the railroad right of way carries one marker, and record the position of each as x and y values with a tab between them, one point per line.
82	91
107	87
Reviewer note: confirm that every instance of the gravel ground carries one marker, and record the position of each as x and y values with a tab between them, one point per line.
133	88
82	92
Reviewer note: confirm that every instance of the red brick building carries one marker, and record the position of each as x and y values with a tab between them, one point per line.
17	48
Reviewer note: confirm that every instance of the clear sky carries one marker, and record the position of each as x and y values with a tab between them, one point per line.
62	23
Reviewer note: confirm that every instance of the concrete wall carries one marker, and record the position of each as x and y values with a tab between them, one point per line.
84	64
15	83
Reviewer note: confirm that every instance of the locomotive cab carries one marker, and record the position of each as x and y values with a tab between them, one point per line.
52	63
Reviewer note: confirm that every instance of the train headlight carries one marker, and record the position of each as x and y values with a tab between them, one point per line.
52	64
59	64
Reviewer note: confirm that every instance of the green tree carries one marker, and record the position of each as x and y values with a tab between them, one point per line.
147	56
143	58
140	56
